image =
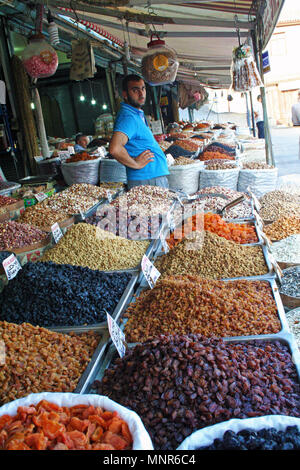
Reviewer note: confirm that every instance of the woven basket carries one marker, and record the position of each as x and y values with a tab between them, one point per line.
112	171
185	177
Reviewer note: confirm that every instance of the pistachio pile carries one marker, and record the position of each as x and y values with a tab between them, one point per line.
277	204
90	246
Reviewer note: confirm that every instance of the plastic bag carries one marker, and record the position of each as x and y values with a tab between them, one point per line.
244	72
259	181
141	438
185	177
159	64
81	172
224	178
205	437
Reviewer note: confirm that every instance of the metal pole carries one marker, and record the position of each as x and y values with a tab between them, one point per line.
252	114
40	123
110	91
248	113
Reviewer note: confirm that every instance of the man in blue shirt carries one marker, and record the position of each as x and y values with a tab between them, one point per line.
133	144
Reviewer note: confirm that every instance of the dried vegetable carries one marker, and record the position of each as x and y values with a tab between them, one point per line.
48	294
190	304
15	235
38	360
181	383
283	228
277	204
81	157
87	245
47	426
42	217
207	255
239	233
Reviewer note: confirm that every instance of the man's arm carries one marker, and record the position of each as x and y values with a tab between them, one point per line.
118	151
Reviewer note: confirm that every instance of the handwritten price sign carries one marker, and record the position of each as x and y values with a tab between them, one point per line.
11	266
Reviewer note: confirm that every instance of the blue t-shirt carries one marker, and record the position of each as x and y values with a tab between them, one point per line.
131	121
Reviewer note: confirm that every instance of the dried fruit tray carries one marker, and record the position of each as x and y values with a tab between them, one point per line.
287	339
123	303
285	329
158	251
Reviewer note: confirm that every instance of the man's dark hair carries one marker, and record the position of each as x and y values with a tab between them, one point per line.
78	136
130	78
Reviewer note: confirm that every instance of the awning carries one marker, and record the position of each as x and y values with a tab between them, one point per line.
203	32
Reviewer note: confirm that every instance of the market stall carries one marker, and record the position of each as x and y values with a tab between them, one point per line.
171	302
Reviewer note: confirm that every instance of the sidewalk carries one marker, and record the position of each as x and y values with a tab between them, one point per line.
285	142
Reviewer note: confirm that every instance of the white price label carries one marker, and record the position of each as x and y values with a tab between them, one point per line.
56	232
150	272
71	150
116	335
11	266
109	196
41	197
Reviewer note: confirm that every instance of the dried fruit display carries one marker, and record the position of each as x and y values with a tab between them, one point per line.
190	304
180	383
42	217
263	439
48	294
210	256
81	157
15	235
38	360
89	246
7	200
239	233
283	228
214	155
47	426
188	144
277	204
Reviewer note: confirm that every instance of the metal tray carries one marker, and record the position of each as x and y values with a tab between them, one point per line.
285	329
286	339
87	376
269	275
81	217
123	303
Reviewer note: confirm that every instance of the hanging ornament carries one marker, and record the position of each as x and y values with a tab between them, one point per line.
160	63
39	58
244	72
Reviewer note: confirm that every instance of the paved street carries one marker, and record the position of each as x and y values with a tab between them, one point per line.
286	150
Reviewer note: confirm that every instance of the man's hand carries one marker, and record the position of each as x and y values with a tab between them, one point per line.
144	158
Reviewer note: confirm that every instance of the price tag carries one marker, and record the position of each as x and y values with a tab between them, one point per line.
109	196
56	232
63	155
164	243
117	335
71	150
150	272
40	197
11	266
